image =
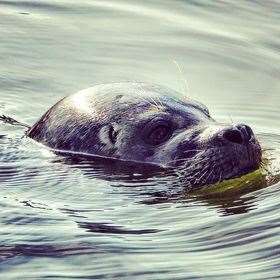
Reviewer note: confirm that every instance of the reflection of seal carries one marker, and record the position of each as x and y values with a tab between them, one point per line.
148	123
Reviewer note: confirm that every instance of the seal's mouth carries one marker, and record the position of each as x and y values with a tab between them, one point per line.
243	161
217	164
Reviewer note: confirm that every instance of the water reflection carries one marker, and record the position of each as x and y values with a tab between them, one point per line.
167	188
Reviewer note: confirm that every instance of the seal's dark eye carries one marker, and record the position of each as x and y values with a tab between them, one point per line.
159	134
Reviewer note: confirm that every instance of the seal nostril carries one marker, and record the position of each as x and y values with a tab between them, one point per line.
246	131
249	131
234	136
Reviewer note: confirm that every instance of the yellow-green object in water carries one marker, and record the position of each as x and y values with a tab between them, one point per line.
243	183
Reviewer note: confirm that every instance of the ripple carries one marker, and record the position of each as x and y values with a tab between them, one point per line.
69	218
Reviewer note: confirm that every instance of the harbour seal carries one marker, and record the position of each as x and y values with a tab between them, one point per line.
140	122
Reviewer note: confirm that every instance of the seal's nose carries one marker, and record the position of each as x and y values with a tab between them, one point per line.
238	134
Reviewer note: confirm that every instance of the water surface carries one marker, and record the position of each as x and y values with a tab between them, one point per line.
64	219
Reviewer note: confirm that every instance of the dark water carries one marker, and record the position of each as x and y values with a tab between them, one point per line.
67	220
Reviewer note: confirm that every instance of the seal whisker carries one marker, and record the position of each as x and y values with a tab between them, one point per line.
154	103
185	84
200	179
267	149
207	179
182	159
220	177
146	100
194	150
160	102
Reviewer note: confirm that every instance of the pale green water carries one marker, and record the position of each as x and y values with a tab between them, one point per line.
61	220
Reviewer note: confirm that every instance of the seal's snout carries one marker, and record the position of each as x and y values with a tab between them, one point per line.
238	134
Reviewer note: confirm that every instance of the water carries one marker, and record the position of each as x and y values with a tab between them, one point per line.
67	220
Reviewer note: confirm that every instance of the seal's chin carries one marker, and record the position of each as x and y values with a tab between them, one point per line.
215	165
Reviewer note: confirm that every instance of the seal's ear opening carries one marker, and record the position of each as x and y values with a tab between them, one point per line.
108	134
113	134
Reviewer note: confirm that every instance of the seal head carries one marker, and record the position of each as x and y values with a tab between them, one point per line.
147	123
